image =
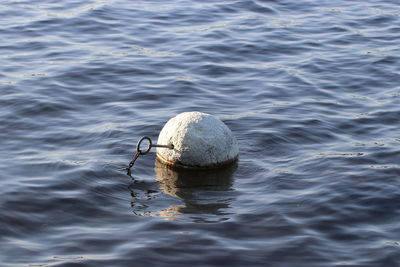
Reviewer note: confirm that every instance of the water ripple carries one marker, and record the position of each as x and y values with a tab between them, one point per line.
311	91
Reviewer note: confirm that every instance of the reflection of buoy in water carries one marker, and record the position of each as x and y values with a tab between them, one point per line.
175	181
199	141
190	186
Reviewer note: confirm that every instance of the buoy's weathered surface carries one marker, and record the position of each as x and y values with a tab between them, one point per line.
200	140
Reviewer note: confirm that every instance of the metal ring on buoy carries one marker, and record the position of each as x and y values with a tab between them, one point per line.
140	152
140	142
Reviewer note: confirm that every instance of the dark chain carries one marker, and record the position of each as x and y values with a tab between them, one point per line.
130	165
141	152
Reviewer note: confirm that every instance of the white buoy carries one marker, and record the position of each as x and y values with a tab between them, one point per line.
200	140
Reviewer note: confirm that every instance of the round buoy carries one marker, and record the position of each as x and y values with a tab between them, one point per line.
199	140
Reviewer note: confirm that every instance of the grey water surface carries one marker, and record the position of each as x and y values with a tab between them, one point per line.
311	90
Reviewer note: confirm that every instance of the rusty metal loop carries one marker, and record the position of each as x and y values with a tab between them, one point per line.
143	152
140	142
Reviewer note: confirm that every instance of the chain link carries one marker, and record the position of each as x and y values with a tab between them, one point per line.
130	165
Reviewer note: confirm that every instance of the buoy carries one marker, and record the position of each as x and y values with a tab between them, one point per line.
199	141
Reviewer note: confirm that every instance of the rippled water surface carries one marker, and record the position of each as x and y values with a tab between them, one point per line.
311	90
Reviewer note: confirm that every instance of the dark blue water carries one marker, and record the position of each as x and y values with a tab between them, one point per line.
311	90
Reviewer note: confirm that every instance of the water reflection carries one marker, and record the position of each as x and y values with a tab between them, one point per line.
202	196
202	192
